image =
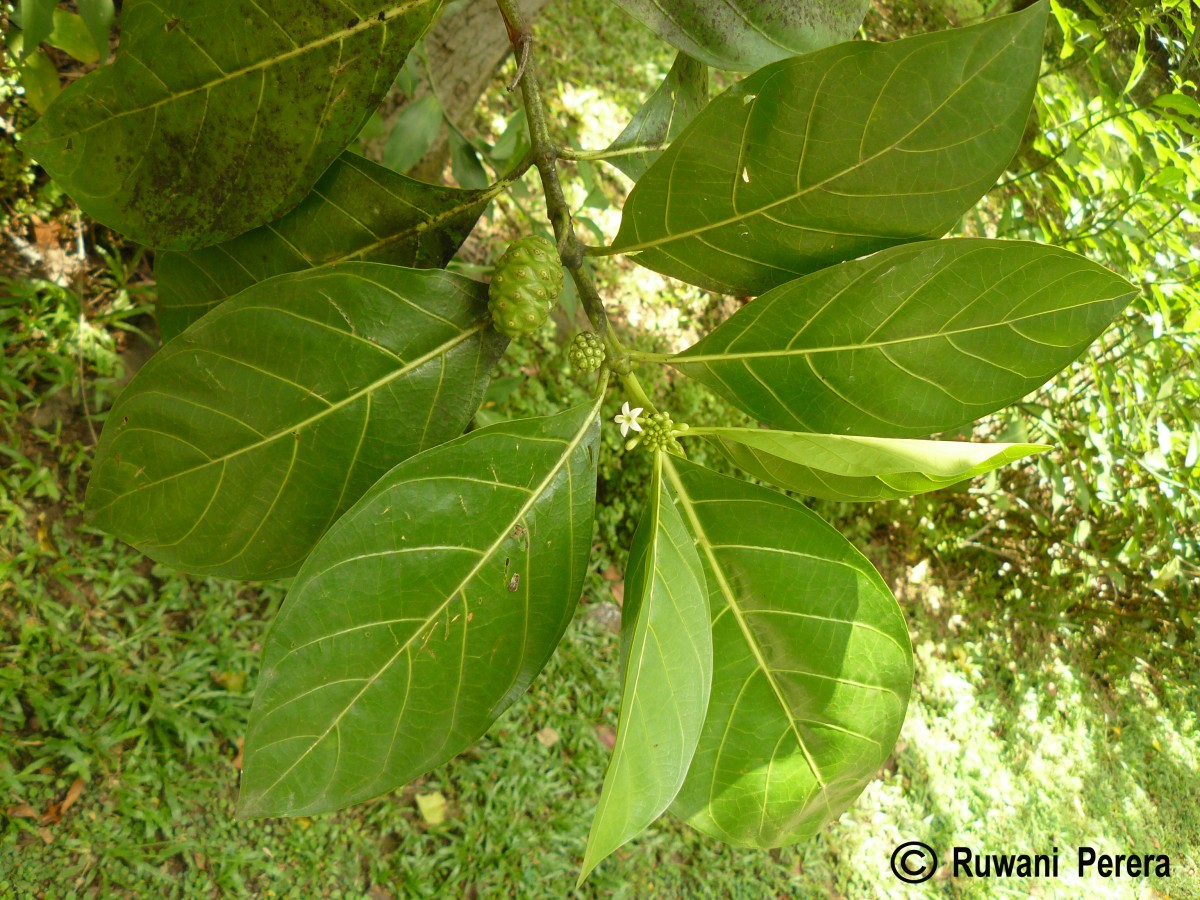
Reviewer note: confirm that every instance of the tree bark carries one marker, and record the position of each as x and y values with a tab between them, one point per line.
465	48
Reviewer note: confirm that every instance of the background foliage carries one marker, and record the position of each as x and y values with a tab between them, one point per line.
1056	696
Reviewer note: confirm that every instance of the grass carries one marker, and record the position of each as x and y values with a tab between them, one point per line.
125	687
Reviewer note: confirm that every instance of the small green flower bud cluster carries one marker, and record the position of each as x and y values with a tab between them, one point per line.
525	286
658	433
586	352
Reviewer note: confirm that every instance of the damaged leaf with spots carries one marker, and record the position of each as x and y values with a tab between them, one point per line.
219	115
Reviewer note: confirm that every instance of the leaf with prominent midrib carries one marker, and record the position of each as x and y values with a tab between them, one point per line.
666	672
219	115
663	116
853	467
836	154
812	665
243	439
422	615
909	341
358	210
746	34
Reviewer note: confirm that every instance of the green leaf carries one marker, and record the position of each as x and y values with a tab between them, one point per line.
667	663
219	115
663	116
851	467
422	615
910	341
813	665
39	78
836	154
72	36
358	210
413	133
37	21
465	163
243	439
747	34
98	16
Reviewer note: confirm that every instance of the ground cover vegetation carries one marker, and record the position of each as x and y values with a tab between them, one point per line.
1055	698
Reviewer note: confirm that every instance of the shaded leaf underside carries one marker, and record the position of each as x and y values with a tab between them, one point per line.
427	609
813	665
909	341
357	211
836	154
240	442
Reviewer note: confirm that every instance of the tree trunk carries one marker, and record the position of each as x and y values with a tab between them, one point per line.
465	48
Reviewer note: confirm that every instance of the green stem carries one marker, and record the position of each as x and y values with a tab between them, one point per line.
545	155
594	155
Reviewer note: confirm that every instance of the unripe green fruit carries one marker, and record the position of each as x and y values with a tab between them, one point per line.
525	286
586	352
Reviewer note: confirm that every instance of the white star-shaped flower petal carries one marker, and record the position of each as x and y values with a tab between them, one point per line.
628	419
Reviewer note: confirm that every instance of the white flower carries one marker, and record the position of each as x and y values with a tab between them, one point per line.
628	418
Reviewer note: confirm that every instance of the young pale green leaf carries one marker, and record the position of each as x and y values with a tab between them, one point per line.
243	439
852	467
219	115
661	118
422	615
666	673
909	341
358	210
836	154
812	665
747	34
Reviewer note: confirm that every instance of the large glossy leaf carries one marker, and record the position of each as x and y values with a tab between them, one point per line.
244	438
219	115
909	341
853	467
666	672
747	34
358	210
812	665
836	154
427	609
663	116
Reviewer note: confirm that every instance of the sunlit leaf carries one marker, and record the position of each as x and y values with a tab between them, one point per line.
746	34
909	341
666	672
219	115
244	438
835	154
422	615
358	210
812	665
852	467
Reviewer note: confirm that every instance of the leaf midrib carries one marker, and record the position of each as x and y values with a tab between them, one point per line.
747	634
367	22
535	495
368	390
873	345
